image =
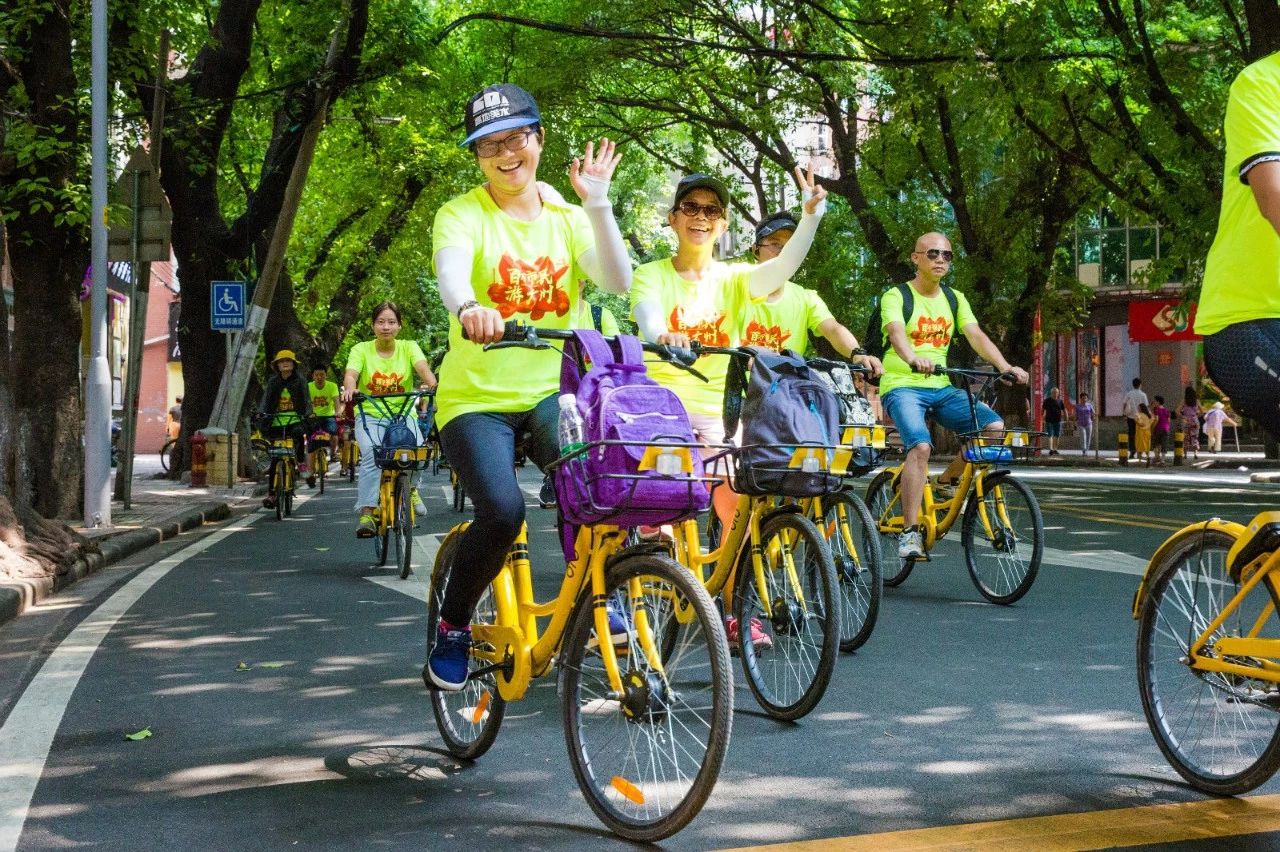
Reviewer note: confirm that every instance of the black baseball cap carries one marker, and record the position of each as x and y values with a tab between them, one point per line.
502	106
697	180
773	224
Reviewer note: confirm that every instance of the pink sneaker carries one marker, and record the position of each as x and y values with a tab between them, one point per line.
759	639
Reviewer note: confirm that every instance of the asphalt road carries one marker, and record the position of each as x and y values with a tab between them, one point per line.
278	673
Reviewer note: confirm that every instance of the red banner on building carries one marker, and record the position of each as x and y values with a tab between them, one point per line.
1162	320
1037	373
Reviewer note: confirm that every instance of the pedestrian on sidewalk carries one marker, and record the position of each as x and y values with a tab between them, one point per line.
1084	422
1160	429
1191	421
1053	408
1142	434
1214	419
1132	400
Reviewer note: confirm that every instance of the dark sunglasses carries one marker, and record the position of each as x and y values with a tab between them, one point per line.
934	254
692	209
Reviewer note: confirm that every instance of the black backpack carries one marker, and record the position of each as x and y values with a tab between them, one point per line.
959	354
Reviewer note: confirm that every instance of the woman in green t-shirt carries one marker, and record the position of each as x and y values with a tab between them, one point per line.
381	365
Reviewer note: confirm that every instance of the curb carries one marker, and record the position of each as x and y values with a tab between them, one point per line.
16	596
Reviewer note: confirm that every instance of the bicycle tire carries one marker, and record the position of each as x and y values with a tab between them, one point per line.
404	527
468	720
858	580
881	496
680	707
280	491
1012	577
803	623
351	468
166	454
322	466
459	495
1187	710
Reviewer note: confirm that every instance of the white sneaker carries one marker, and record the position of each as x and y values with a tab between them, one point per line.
419	507
910	545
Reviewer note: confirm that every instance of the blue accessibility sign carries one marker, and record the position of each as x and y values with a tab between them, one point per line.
226	311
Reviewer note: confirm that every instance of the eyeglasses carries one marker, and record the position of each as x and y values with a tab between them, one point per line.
692	209
934	254
493	147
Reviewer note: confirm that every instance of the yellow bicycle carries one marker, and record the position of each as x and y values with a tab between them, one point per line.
1209	652
647	709
282	465
1002	530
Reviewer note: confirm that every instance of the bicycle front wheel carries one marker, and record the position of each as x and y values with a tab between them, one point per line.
646	758
404	527
468	720
166	454
281	490
1003	538
885	506
855	549
322	466
1220	731
788	617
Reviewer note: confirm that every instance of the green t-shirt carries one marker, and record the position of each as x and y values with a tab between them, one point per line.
526	270
1242	271
786	323
710	311
376	374
929	331
324	399
285	414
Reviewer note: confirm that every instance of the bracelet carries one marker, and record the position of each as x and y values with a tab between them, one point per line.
469	305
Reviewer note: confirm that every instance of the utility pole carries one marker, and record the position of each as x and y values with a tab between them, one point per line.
97	415
141	287
235	376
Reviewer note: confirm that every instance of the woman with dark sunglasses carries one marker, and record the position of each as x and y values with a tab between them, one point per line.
510	248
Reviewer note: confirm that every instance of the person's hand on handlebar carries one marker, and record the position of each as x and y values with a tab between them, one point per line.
871	362
921	364
482	325
1019	374
674	338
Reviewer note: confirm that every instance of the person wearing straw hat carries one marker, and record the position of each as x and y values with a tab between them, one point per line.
285	396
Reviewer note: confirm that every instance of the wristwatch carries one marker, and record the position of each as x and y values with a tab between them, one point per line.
466	306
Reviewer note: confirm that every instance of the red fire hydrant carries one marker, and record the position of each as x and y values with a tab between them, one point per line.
198	479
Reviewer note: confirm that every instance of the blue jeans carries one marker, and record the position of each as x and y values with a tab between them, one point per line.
369	432
907	407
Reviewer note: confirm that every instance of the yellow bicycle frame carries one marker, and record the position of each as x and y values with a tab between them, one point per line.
288	463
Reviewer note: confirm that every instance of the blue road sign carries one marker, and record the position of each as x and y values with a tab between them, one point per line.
226	311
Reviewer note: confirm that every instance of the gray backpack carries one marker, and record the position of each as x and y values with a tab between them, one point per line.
786	408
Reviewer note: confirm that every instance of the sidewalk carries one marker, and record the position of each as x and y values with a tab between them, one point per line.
159	510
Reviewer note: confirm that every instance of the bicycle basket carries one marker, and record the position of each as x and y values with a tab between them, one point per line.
1002	447
808	470
642	491
399	449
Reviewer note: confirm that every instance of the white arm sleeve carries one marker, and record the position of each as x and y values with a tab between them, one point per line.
766	277
607	262
453	271
649	319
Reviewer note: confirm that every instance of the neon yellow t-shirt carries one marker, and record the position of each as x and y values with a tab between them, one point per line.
1242	271
376	374
710	311
324	399
608	323
786	323
929	331
528	271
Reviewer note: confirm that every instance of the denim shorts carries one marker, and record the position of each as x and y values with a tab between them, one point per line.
907	408
1053	430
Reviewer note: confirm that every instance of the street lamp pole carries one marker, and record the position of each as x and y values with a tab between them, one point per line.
97	415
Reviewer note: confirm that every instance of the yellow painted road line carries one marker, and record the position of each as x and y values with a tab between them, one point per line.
1068	832
1121	518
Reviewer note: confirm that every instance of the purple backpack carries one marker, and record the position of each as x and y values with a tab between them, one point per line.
623	407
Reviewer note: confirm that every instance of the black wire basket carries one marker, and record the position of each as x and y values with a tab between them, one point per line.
589	494
1000	447
807	470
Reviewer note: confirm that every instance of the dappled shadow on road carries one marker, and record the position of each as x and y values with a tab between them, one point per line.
379	762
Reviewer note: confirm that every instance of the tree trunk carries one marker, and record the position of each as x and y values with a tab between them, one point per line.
6	394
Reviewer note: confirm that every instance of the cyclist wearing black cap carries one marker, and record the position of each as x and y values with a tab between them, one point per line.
511	248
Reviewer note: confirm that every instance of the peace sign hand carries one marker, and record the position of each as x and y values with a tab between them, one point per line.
814	193
590	175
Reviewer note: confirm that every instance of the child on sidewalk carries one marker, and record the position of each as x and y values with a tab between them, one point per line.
1142	433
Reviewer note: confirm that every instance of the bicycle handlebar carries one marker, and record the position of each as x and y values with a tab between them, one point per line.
517	334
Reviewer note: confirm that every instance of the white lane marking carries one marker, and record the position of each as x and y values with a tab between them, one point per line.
1113	561
28	733
448	493
425	549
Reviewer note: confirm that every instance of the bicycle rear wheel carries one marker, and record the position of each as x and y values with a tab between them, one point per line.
1220	731
647	759
1013	533
468	720
788	669
166	454
404	527
855	549
279	484
885	505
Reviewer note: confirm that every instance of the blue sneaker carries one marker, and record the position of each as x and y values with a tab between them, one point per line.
446	668
619	629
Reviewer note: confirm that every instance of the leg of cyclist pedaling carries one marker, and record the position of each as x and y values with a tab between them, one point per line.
481	448
914	471
368	434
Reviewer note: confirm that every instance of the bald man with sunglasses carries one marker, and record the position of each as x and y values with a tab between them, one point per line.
911	389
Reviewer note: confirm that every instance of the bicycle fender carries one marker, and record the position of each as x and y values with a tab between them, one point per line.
1215	524
784	509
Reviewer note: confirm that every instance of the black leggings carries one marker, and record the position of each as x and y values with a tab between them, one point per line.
481	448
1244	360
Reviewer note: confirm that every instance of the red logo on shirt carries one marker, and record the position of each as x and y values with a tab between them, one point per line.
931	331
529	288
770	337
385	383
705	330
